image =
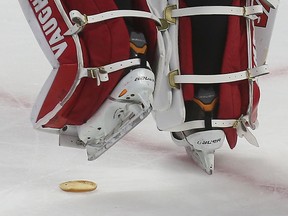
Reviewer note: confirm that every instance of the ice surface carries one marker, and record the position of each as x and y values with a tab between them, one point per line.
145	173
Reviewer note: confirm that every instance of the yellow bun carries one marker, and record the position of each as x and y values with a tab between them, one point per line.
78	186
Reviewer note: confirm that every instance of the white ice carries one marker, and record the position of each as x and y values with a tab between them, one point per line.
145	173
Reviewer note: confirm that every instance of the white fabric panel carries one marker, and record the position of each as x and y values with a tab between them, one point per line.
173	109
32	20
263	35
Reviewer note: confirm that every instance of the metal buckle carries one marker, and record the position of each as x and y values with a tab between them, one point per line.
92	72
171	79
164	25
249	76
80	21
168	14
168	19
244	12
240	123
102	70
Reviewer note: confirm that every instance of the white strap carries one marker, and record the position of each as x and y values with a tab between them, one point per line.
101	73
122	13
81	20
238	124
197	124
223	78
248	12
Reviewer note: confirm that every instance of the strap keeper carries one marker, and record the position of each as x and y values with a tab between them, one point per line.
79	19
92	72
249	74
251	12
98	73
171	79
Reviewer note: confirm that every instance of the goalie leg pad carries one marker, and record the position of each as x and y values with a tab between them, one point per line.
68	97
237	100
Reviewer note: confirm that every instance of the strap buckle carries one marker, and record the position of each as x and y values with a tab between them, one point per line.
168	14
164	25
167	19
171	79
98	73
79	19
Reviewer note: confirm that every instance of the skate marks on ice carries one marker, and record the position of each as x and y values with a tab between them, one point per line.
14	116
154	148
11	100
258	173
245	166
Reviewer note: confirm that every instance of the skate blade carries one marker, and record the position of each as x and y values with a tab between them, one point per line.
97	148
204	160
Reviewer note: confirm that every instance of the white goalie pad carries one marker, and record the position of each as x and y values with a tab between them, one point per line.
95	62
168	101
264	29
168	107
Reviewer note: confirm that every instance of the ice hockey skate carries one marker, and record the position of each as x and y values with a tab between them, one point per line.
127	106
199	75
211	91
201	144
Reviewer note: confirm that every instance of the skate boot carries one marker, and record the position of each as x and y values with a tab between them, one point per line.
126	107
200	144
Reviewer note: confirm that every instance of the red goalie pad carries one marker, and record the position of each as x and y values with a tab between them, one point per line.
233	98
67	98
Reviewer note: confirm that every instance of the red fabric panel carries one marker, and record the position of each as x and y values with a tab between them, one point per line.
59	89
105	42
235	59
233	97
185	52
54	35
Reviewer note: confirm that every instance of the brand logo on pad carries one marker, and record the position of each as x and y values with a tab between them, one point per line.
49	26
144	78
208	142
